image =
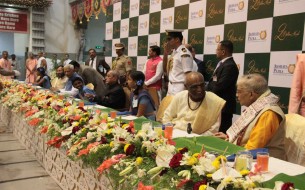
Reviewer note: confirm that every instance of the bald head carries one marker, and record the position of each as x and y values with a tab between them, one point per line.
192	78
194	82
112	77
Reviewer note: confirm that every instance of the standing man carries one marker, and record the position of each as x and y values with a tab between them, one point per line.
67	60
201	65
98	64
5	64
153	70
179	63
122	63
42	62
223	82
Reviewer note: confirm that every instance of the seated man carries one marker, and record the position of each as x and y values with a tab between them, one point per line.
115	96
195	106
59	82
262	124
83	91
71	74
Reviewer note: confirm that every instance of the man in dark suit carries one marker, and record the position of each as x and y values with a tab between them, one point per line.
90	75
223	82
201	65
98	64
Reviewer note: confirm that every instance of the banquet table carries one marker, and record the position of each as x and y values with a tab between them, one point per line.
75	175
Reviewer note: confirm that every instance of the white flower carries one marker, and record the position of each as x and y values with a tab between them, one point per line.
141	173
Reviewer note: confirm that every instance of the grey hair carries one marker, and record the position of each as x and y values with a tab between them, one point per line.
115	73
69	66
254	82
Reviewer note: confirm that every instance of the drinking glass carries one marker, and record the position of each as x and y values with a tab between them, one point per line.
243	161
262	160
158	130
113	114
168	132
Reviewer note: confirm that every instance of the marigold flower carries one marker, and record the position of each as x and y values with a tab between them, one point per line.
139	161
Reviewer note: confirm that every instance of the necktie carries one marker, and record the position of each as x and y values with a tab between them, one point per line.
91	64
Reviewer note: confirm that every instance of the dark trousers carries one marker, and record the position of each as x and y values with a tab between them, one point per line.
226	122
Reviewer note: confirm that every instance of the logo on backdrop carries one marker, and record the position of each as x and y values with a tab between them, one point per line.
236	7
283	69
213	11
257	4
132	26
125	28
213	40
167	20
125	9
132	46
154	2
194	40
143	25
195	15
180	17
253	68
257	36
233	37
154	23
284	33
117	11
109	31
134	7
144	7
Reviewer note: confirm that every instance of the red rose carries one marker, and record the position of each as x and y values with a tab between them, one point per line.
199	183
287	186
175	161
130	149
184	150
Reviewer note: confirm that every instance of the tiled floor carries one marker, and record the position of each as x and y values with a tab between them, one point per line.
19	168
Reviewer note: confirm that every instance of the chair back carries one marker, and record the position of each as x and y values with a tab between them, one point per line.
163	105
154	94
294	139
127	98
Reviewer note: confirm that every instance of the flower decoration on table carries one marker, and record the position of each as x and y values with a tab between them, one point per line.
135	159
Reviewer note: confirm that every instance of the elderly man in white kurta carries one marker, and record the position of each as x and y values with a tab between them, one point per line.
194	106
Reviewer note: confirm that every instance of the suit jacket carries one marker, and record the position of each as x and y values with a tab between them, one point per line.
225	84
100	62
90	75
202	68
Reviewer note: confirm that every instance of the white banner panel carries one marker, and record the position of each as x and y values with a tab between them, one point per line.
117	11
239	60
236	11
212	36
281	68
167	19
182	2
141	60
109	31
153	40
134	8
197	14
155	6
133	46
286	7
124	28
143	25
109	61
258	36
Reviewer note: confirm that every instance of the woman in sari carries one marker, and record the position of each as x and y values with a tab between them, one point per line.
31	64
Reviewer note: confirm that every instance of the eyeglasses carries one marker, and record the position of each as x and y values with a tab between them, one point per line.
195	86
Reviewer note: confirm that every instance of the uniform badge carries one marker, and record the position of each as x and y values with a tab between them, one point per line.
129	62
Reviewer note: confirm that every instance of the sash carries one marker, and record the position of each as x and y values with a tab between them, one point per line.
250	114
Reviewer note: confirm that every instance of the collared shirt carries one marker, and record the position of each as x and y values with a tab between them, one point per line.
182	62
122	64
59	83
158	69
93	65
